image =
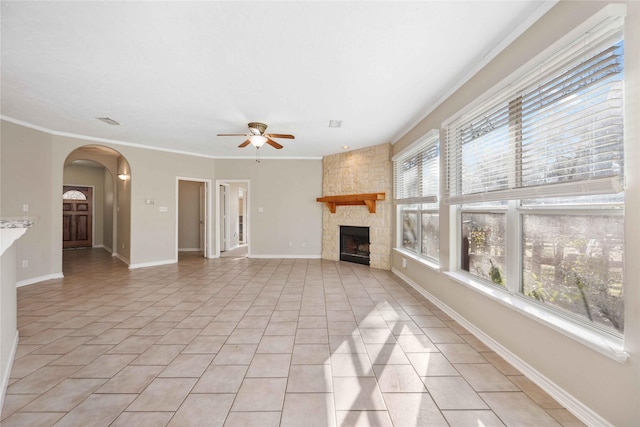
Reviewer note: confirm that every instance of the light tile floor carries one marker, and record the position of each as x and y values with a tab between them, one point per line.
253	342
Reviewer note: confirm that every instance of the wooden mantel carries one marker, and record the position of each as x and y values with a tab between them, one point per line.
368	199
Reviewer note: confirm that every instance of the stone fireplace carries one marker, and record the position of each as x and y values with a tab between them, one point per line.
368	170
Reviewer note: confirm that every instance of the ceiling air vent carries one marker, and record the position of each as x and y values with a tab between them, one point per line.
109	121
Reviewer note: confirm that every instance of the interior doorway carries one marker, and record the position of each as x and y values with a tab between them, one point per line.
193	216
104	221
232	218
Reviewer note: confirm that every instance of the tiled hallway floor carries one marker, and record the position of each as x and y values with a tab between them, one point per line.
253	342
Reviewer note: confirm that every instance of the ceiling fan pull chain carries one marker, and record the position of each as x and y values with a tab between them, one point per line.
257	154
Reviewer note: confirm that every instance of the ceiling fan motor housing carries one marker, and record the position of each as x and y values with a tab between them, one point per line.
257	128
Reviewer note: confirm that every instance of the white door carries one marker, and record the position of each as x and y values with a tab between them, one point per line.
224	217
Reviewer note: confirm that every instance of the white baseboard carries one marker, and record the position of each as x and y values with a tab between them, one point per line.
6	370
190	249
152	264
39	279
108	249
120	257
573	405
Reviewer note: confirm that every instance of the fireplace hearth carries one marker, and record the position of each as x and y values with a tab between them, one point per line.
354	244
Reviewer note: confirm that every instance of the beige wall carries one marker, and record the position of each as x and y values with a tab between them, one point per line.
286	191
32	173
108	223
123	212
145	234
609	388
26	177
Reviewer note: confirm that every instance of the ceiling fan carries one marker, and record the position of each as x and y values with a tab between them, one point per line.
258	138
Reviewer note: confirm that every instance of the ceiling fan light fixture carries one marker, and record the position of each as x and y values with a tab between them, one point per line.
257	140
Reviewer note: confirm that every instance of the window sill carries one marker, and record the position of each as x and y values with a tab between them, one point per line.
606	345
415	257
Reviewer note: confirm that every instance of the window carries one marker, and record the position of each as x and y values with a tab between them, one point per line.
73	195
416	189
483	248
535	175
575	262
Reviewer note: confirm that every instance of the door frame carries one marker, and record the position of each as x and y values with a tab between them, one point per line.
93	210
247	205
207	212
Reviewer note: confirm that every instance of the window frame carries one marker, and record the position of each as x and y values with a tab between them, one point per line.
512	293
420	204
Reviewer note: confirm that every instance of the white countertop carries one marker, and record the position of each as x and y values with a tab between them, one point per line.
12	228
17	222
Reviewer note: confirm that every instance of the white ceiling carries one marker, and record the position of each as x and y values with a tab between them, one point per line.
175	74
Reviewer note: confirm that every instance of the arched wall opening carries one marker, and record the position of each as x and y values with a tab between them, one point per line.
103	174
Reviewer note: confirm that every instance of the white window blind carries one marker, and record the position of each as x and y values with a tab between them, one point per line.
556	131
416	171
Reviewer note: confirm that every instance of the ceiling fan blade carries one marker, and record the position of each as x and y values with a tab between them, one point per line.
279	135
244	144
232	134
274	144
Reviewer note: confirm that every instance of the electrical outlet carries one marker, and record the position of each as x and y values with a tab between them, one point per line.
25	208
404	263
290	244
25	263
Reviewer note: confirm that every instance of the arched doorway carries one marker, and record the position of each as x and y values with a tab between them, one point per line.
96	201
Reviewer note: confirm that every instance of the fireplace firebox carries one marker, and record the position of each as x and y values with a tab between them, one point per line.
354	244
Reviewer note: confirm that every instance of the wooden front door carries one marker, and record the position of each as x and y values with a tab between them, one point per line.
77	217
